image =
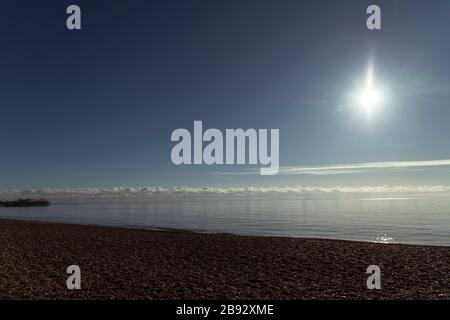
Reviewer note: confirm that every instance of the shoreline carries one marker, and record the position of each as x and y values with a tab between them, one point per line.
139	263
200	231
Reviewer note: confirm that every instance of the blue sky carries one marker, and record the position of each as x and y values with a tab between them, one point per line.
96	107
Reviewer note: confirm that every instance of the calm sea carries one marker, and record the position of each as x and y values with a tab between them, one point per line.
415	219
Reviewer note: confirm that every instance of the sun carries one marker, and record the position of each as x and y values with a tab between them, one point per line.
369	98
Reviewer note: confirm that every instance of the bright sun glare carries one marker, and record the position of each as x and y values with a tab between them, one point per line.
369	97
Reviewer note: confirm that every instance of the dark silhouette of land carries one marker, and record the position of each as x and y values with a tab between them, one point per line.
25	203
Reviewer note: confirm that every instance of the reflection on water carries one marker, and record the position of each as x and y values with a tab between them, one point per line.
384	238
421	219
386	199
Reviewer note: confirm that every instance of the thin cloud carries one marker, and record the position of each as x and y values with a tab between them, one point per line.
353	168
363	167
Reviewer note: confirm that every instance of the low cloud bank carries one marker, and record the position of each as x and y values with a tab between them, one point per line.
129	192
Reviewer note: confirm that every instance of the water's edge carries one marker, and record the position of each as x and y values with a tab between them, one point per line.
162	229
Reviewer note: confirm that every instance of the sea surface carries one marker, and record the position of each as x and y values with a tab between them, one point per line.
412	218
